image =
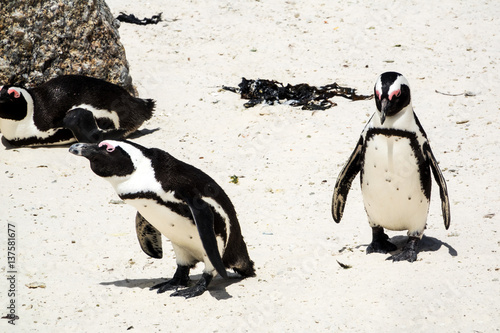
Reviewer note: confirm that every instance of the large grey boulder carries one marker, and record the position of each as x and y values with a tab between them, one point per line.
42	39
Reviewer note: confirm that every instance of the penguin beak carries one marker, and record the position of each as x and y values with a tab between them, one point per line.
83	149
384	105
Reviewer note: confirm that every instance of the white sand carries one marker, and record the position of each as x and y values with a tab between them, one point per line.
84	248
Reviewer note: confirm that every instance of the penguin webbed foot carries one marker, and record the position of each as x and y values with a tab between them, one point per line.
380	243
409	252
169	285
180	279
199	288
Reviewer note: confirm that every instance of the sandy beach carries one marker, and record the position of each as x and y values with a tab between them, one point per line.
81	269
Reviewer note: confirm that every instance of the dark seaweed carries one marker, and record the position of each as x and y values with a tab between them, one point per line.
344	266
308	97
131	18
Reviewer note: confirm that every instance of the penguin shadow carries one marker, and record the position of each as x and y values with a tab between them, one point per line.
426	244
217	287
142	132
135	135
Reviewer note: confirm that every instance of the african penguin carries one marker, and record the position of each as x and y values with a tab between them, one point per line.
179	201
70	108
394	156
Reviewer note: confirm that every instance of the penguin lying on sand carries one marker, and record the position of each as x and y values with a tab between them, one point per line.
394	157
179	201
70	108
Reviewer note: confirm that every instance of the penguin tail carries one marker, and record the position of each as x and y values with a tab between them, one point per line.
150	105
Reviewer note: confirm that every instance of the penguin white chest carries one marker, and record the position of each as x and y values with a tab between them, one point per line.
180	230
391	184
24	129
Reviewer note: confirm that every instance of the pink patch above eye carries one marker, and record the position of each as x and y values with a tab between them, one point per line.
13	91
109	147
378	94
397	93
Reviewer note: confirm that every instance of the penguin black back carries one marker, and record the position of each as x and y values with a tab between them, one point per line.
55	97
70	107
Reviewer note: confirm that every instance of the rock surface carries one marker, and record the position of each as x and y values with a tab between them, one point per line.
40	40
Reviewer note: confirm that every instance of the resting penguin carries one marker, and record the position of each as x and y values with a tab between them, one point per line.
179	201
70	108
394	157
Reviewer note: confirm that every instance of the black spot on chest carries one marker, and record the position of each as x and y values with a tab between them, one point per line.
178	208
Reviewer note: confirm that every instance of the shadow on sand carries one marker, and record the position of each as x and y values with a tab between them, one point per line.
217	287
426	244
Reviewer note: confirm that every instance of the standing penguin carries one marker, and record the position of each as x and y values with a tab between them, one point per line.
179	201
394	157
70	108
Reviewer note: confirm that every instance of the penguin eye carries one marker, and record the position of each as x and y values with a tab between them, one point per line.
109	147
13	91
396	93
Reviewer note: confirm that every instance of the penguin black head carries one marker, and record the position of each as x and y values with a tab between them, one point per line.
13	104
392	94
107	158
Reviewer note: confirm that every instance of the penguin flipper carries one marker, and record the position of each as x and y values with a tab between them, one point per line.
344	181
204	220
443	190
149	237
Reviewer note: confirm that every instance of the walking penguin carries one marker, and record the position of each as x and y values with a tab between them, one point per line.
395	159
179	201
70	108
